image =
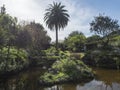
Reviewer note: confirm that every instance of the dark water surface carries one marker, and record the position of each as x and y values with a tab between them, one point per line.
105	80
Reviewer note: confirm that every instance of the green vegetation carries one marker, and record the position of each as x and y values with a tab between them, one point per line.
66	69
105	50
104	25
27	44
103	58
75	42
20	43
15	62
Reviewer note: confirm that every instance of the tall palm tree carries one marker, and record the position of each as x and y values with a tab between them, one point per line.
56	17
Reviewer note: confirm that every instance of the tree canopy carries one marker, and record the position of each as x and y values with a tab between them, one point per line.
75	41
104	25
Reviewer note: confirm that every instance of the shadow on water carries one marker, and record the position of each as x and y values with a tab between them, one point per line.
105	80
23	81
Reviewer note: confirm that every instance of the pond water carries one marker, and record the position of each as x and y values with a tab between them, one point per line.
105	80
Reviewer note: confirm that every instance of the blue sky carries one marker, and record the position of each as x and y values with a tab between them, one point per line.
109	7
81	12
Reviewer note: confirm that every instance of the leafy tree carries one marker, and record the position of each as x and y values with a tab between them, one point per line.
56	17
40	39
9	27
104	25
93	38
2	37
2	40
23	39
18	41
75	33
75	41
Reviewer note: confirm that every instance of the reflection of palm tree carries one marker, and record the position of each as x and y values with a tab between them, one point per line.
56	17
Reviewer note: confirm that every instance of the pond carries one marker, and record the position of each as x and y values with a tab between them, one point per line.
27	80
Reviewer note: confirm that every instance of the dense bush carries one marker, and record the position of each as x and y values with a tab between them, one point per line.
52	53
15	62
103	58
75	42
66	69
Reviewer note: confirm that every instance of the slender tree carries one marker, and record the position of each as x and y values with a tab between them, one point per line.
56	17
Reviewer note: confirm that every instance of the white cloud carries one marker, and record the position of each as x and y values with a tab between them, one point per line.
30	10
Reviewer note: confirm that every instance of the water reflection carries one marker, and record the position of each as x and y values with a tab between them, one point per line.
105	80
98	85
24	81
56	87
93	85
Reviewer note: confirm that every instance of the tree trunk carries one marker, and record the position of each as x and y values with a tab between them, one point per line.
7	57
105	42
8	52
0	52
56	38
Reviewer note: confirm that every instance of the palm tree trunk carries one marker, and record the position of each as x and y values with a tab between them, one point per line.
56	38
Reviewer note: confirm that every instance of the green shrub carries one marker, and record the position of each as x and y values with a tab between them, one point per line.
66	70
103	58
51	51
16	60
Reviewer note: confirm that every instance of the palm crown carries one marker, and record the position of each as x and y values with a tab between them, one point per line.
56	16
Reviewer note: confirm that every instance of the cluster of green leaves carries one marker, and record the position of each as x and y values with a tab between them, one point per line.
16	61
103	58
75	69
66	68
51	51
53	78
75	41
115	41
93	38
